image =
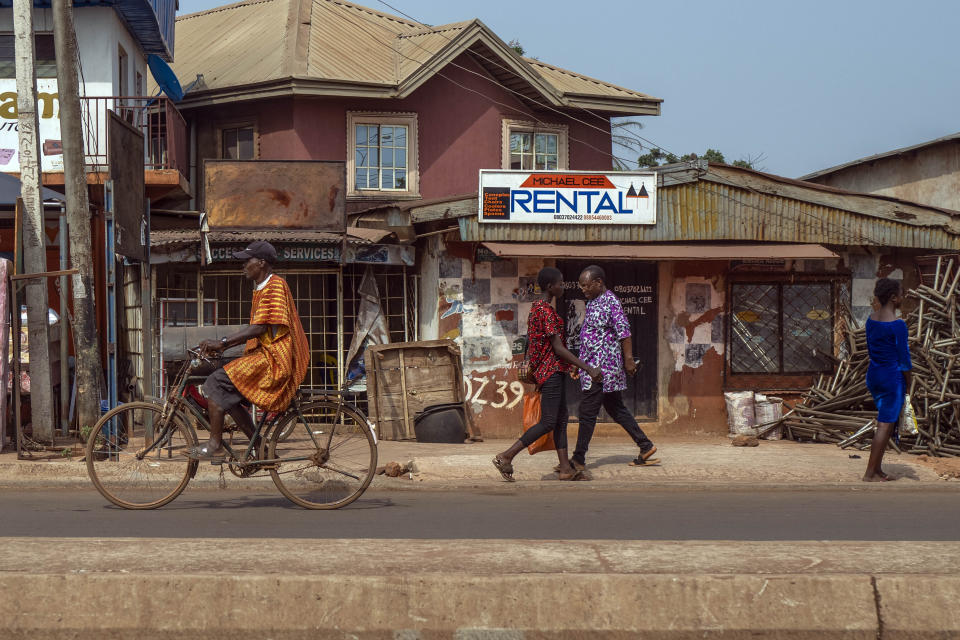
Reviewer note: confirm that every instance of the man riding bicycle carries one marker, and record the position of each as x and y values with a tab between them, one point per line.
275	359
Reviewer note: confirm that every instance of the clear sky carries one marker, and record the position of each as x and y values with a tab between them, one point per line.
807	84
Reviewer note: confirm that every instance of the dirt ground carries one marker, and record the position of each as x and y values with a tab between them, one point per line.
944	467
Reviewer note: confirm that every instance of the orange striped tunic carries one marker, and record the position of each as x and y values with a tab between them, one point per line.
275	362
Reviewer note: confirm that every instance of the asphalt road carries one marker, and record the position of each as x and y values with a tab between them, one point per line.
653	514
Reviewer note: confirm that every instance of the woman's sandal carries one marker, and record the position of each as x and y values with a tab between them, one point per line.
505	468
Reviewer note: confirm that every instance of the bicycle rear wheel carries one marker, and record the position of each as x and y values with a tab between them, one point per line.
325	460
122	469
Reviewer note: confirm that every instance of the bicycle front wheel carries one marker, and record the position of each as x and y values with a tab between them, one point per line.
137	459
323	457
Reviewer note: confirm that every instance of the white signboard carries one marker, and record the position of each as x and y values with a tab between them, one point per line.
48	108
568	197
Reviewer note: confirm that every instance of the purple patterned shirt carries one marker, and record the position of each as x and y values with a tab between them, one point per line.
604	326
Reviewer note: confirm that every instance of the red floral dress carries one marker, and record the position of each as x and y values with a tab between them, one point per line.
544	323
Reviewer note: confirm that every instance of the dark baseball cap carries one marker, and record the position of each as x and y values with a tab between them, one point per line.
258	249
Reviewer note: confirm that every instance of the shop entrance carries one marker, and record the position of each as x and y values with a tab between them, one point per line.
635	283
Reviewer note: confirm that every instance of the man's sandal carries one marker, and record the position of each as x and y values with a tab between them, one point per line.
575	476
505	468
573	463
646	458
206	453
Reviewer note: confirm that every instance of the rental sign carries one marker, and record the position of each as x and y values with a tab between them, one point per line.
564	197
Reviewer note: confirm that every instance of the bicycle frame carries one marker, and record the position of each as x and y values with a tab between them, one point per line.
177	402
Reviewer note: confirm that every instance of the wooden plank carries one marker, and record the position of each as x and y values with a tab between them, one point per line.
423	379
391	406
407	428
408	377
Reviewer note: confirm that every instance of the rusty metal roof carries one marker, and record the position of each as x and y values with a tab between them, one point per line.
170	237
333	47
953	137
723	203
664	251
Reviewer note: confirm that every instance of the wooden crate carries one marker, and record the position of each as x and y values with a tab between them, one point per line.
406	377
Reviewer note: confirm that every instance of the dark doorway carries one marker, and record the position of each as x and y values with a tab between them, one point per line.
635	283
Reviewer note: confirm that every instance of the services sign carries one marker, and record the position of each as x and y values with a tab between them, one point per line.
568	197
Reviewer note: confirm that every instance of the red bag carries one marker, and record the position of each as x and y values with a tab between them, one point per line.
531	416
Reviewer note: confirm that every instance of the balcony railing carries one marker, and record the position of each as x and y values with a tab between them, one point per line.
164	130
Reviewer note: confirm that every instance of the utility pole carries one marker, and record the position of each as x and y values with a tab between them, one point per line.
34	246
89	370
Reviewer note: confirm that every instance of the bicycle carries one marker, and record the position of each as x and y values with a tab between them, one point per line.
321	452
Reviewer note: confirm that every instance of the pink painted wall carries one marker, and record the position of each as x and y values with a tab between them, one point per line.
459	130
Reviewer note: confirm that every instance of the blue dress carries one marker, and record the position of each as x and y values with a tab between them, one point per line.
887	343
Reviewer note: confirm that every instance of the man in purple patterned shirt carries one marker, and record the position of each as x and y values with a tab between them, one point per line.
605	342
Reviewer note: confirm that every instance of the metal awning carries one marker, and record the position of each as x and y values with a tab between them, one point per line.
662	251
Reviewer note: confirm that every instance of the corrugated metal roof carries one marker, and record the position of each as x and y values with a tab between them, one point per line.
171	237
886	154
663	251
332	41
233	45
570	82
727	204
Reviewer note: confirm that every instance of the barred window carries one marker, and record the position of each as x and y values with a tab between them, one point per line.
781	328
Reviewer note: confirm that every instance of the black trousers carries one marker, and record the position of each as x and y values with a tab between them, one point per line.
590	405
553	413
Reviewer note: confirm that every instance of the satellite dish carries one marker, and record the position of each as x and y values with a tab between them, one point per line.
165	77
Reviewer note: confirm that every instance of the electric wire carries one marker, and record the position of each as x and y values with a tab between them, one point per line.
843	231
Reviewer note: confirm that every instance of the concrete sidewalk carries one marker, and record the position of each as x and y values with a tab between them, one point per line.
478	589
689	460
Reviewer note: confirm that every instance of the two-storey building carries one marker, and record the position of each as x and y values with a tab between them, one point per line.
117	40
413	111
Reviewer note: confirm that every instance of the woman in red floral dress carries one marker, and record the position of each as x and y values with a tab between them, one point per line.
550	361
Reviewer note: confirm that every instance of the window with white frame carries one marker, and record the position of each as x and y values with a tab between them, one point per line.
530	146
382	154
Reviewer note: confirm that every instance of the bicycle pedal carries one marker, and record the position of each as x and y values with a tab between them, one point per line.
217	463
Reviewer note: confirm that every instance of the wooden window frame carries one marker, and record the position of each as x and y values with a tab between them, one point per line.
523	126
242	124
407	119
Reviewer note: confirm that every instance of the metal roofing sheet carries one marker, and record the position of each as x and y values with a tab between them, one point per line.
759	209
233	45
663	251
258	41
953	137
348	42
179	236
569	82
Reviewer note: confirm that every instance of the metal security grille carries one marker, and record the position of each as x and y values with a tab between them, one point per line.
394	299
326	302
131	368
755	324
316	296
781	328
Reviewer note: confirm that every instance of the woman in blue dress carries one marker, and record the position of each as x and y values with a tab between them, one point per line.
888	376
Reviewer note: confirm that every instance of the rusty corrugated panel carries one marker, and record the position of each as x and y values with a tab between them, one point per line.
709	211
664	251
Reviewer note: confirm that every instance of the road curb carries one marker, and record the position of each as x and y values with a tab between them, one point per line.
425	606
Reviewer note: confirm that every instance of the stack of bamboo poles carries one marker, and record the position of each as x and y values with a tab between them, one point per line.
839	408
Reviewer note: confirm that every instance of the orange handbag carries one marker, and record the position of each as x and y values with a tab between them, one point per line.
531	416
